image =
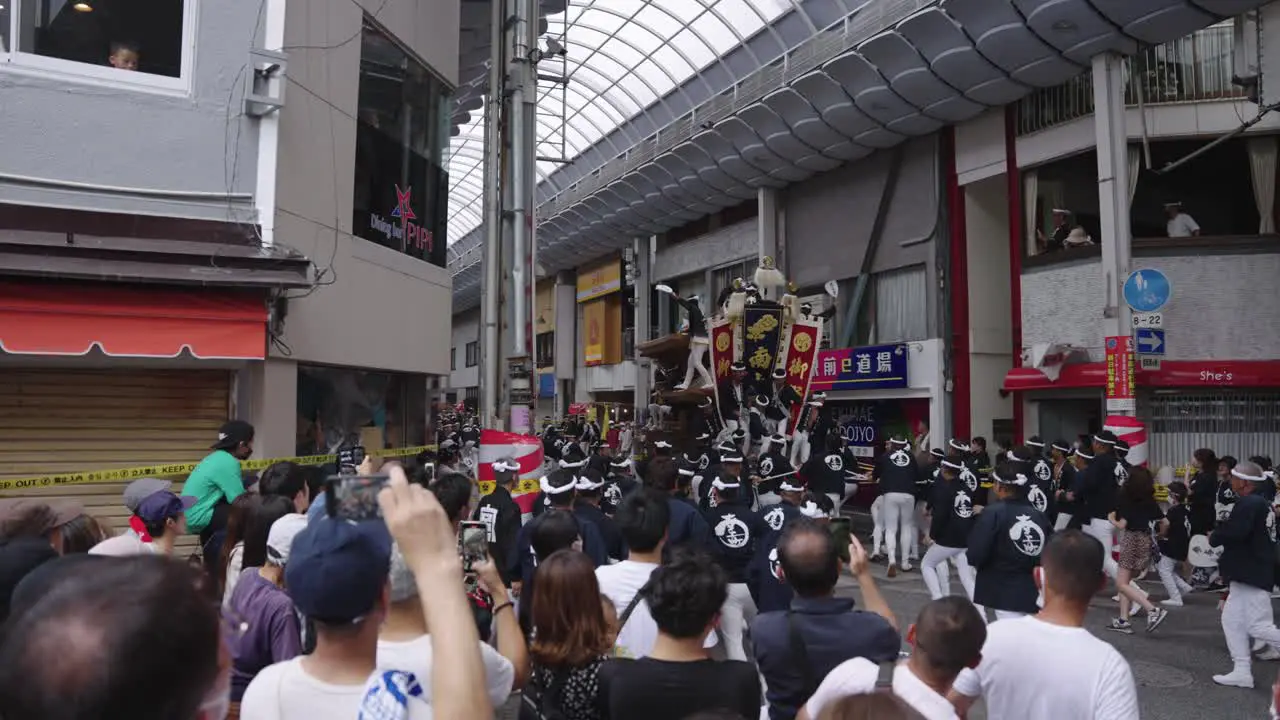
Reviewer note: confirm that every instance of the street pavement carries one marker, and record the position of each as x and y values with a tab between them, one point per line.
1173	667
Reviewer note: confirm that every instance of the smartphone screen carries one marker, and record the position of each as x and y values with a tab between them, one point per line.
354	497
473	543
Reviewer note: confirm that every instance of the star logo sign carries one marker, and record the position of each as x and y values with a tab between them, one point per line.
403	209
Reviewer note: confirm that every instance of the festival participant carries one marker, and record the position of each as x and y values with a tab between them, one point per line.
1048	665
952	513
1135	516
896	473
1005	545
502	517
1248	542
1174	540
739	531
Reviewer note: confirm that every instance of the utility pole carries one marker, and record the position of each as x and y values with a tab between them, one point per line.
507	375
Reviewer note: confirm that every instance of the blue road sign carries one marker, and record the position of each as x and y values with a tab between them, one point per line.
1150	341
1147	290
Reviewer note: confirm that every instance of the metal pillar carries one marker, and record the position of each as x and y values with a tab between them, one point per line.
643	284
1113	188
492	279
767	222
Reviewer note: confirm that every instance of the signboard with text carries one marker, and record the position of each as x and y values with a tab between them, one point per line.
1120	390
876	367
603	278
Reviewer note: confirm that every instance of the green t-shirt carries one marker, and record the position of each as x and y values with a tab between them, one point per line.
217	477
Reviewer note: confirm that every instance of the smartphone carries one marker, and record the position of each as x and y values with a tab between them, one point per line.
349	459
473	543
354	497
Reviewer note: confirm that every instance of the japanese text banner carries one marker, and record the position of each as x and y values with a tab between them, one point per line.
762	338
875	367
721	349
802	353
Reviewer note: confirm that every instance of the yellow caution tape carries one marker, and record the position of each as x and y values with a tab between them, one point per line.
521	488
176	469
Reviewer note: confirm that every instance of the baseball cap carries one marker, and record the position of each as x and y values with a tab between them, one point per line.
38	517
232	433
357	552
160	506
138	490
281	536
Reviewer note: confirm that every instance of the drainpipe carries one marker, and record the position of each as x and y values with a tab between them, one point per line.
489	386
962	403
1013	178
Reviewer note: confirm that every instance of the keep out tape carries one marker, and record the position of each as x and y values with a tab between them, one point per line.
176	469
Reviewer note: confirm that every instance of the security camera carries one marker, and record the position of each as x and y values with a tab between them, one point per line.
554	47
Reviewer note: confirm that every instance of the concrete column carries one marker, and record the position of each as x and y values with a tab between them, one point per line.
643	285
566	342
767	222
1113	187
267	396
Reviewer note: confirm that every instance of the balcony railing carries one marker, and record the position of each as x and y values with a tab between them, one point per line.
1194	68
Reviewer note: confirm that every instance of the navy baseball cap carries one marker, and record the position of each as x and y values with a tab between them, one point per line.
338	568
160	506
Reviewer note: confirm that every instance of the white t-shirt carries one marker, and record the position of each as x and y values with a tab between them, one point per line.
415	656
858	677
1033	669
285	691
1182	225
620	582
235	563
123	545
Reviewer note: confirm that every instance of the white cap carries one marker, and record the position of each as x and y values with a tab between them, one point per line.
280	537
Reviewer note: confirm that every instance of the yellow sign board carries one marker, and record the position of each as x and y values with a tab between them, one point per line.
600	279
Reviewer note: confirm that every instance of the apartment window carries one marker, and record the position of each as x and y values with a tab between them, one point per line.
545	349
377	409
453	358
402	130
117	41
473	354
722	278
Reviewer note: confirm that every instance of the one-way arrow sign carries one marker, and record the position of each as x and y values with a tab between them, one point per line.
1150	341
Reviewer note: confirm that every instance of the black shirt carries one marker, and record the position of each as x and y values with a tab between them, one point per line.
501	516
1099	486
775	463
1004	548
1204	488
1174	543
739	530
953	515
609	532
687	527
697	321
1138	516
897	472
1248	541
825	473
647	688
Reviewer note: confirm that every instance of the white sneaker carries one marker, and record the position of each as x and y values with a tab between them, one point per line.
1268	654
906	567
682	386
1235	678
1171	603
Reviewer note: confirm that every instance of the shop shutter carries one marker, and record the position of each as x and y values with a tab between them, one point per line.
1236	423
60	421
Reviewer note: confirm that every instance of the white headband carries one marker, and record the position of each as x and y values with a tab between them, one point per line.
896	441
620	464
506	466
686	473
1033	443
584	483
1083	454
719	485
1061	448
1018	479
956	445
572	465
547	489
786	486
1103	441
1250	478
731	459
811	510
662	444
952	465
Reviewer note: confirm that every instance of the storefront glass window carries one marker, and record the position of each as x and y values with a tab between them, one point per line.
402	129
376	409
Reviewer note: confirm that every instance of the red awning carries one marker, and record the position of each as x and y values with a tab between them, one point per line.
1172	373
38	319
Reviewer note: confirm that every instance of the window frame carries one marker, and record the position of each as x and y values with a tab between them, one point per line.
453	358
473	358
29	64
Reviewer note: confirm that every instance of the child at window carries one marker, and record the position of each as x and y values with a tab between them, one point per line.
124	55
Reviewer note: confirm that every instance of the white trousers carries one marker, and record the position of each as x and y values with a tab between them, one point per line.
1247	614
736	615
1104	532
899	524
836	501
877	524
698	349
799	448
934	569
1174	585
920	523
